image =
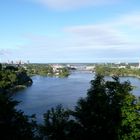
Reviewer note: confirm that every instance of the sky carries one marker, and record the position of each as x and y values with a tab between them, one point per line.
70	31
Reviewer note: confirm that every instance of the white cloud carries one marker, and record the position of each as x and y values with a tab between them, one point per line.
4	52
106	41
131	20
89	42
121	33
72	4
98	34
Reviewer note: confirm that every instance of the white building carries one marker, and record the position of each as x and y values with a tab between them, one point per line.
90	68
56	68
139	65
122	67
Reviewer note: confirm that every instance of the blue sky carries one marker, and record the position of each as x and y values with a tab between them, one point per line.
53	31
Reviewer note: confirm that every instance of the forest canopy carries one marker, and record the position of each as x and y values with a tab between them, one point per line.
13	78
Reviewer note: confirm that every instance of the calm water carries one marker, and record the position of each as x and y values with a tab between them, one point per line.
47	92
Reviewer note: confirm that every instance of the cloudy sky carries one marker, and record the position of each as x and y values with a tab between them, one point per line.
55	31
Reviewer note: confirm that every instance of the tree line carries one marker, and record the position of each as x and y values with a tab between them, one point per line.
46	70
13	78
109	71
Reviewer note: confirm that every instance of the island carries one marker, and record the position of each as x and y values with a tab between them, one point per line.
47	70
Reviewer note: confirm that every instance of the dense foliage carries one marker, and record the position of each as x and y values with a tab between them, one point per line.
14	125
109	111
55	123
39	69
12	78
46	70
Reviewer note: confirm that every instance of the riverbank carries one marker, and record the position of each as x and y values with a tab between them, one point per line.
120	72
126	75
47	70
13	79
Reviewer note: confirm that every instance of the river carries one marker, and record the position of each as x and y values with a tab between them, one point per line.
47	92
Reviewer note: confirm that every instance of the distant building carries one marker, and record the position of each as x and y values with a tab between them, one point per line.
72	67
90	68
56	67
134	67
122	67
28	62
139	65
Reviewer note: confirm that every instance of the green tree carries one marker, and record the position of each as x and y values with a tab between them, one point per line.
64	72
13	78
0	66
14	125
55	123
109	111
59	125
23	79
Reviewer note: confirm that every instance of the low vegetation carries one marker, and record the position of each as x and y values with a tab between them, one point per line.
110	71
